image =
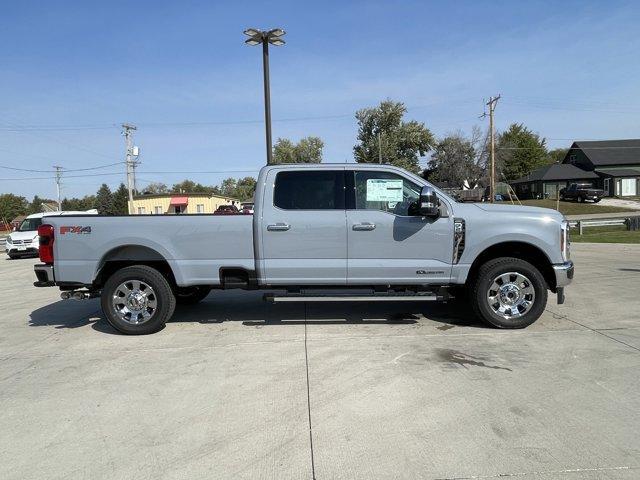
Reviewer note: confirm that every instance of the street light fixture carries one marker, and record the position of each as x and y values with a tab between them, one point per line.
273	37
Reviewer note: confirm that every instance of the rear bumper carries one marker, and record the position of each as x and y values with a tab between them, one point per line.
564	273
44	274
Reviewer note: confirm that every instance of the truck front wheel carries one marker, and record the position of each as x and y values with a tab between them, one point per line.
137	300
509	293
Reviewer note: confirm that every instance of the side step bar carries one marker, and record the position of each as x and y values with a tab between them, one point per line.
428	297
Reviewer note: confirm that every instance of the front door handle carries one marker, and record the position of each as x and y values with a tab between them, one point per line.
278	227
365	226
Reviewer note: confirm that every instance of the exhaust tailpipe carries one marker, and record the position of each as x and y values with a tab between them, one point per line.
76	295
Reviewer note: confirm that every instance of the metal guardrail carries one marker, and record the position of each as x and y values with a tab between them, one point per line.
596	222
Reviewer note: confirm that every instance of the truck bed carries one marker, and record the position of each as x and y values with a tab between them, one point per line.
195	246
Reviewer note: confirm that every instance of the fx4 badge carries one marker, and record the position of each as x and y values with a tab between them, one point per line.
74	229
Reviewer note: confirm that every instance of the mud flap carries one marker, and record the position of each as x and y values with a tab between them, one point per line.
560	292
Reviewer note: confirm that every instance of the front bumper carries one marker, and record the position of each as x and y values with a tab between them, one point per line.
21	249
564	276
564	273
44	274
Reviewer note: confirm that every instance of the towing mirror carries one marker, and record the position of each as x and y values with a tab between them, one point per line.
429	203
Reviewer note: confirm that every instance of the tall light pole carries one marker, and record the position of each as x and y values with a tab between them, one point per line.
273	37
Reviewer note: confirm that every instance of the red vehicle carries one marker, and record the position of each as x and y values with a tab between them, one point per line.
227	210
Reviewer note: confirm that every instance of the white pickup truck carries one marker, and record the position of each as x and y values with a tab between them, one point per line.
367	232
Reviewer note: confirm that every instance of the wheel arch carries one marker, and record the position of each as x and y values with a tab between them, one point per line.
128	255
517	249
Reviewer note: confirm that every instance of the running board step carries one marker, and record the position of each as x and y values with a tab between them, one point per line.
428	297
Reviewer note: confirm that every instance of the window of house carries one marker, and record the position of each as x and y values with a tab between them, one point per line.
309	190
572	158
142	210
200	208
384	191
157	210
606	185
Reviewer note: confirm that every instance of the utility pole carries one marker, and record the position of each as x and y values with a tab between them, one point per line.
492	106
379	147
127	131
58	177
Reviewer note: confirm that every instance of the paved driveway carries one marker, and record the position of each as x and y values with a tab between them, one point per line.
619	202
231	388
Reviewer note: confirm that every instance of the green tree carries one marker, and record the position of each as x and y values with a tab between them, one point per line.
458	160
381	130
121	200
36	205
156	187
11	206
557	155
245	188
519	151
307	150
228	187
189	186
104	200
79	204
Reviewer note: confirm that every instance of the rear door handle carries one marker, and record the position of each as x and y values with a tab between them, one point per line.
365	226
278	227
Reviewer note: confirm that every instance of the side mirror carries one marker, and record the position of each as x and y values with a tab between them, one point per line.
429	203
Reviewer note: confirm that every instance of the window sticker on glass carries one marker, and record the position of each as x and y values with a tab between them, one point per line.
381	190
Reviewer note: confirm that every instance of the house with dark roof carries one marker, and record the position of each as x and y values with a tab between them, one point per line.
545	182
612	165
617	163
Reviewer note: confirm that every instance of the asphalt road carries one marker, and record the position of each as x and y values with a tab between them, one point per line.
391	391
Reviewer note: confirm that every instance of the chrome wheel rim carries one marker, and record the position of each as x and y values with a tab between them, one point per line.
134	302
511	295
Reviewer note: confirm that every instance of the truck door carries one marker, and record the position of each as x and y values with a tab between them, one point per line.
385	243
303	228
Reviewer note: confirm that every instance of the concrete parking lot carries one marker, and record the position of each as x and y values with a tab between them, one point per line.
236	388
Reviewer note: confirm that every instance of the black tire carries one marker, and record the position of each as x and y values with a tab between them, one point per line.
483	281
11	256
165	301
597	200
580	199
191	295
562	197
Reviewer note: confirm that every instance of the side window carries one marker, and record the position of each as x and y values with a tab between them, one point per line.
309	190
384	191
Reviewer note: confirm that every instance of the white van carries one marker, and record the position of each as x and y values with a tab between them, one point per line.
23	241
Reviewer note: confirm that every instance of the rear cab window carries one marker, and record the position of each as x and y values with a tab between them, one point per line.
309	190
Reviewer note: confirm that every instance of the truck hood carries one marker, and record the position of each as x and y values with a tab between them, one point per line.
23	235
519	210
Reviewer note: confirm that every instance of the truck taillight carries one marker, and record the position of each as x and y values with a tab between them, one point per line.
45	232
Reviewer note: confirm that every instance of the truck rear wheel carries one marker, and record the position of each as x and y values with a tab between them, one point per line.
137	300
509	293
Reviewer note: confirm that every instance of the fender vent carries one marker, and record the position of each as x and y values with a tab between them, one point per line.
458	239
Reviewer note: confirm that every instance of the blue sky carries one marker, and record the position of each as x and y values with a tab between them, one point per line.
72	72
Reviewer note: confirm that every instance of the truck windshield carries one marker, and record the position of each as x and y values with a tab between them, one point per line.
30	224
